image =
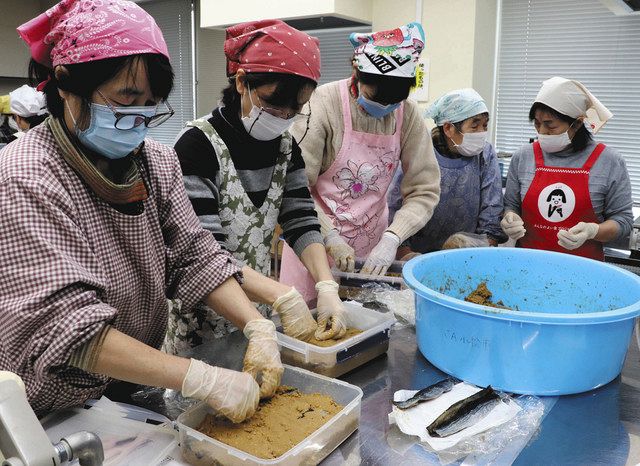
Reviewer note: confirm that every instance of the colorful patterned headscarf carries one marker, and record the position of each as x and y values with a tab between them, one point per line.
390	53
78	31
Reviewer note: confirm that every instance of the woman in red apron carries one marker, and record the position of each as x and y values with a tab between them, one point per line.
361	129
566	192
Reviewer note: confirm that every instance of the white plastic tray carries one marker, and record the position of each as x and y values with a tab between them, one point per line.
125	441
200	450
333	361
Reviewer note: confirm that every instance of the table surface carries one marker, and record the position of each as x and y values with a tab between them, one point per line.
600	427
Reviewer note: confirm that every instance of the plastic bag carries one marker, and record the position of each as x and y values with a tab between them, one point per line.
383	297
466	240
401	302
509	438
171	403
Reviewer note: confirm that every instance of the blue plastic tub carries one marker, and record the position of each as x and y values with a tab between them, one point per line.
569	334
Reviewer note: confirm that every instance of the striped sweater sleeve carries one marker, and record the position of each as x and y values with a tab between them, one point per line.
200	172
298	217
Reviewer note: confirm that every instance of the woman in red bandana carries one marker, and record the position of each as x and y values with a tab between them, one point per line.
98	230
244	174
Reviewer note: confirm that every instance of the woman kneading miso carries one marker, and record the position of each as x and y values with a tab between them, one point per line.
567	192
98	230
361	129
244	174
470	204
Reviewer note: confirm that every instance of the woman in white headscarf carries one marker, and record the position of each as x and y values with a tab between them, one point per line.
28	106
567	192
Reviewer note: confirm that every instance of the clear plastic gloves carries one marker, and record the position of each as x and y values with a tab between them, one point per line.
382	256
231	393
332	320
263	355
513	225
343	255
297	321
576	236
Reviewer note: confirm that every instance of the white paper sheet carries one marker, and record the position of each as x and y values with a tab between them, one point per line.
414	421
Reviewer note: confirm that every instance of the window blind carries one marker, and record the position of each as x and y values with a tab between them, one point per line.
575	39
335	51
174	18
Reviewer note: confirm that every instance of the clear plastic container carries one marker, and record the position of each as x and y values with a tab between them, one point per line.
333	361
200	450
125	441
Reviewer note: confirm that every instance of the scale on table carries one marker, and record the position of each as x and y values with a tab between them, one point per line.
23	441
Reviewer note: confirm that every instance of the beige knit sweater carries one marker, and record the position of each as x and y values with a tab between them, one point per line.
420	186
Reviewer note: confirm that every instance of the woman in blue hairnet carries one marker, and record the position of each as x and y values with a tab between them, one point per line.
470	187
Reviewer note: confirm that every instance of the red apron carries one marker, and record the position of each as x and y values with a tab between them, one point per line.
558	199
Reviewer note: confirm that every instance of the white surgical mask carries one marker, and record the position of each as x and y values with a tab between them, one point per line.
472	143
263	126
13	124
552	143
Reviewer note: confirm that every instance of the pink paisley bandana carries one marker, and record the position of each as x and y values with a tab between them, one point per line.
78	31
271	46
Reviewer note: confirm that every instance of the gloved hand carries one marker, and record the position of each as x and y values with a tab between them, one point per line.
576	236
263	356
231	393
295	316
343	254
330	312
513	225
382	256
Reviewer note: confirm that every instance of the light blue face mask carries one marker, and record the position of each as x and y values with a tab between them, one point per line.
104	138
375	109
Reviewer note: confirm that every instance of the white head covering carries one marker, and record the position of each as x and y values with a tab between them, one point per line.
456	106
27	102
571	98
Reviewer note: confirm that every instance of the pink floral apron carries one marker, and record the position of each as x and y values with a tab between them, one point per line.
352	192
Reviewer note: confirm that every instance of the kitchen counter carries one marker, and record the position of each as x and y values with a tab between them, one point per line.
601	427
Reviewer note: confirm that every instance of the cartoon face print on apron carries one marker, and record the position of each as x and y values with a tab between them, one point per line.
558	199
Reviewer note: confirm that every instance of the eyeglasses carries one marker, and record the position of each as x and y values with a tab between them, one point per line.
276	112
131	120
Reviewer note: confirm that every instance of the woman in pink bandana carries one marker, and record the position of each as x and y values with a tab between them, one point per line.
98	230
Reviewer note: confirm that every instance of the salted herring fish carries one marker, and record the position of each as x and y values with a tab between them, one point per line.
464	413
426	394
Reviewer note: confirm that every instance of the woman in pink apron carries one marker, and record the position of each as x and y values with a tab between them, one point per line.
361	129
566	192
